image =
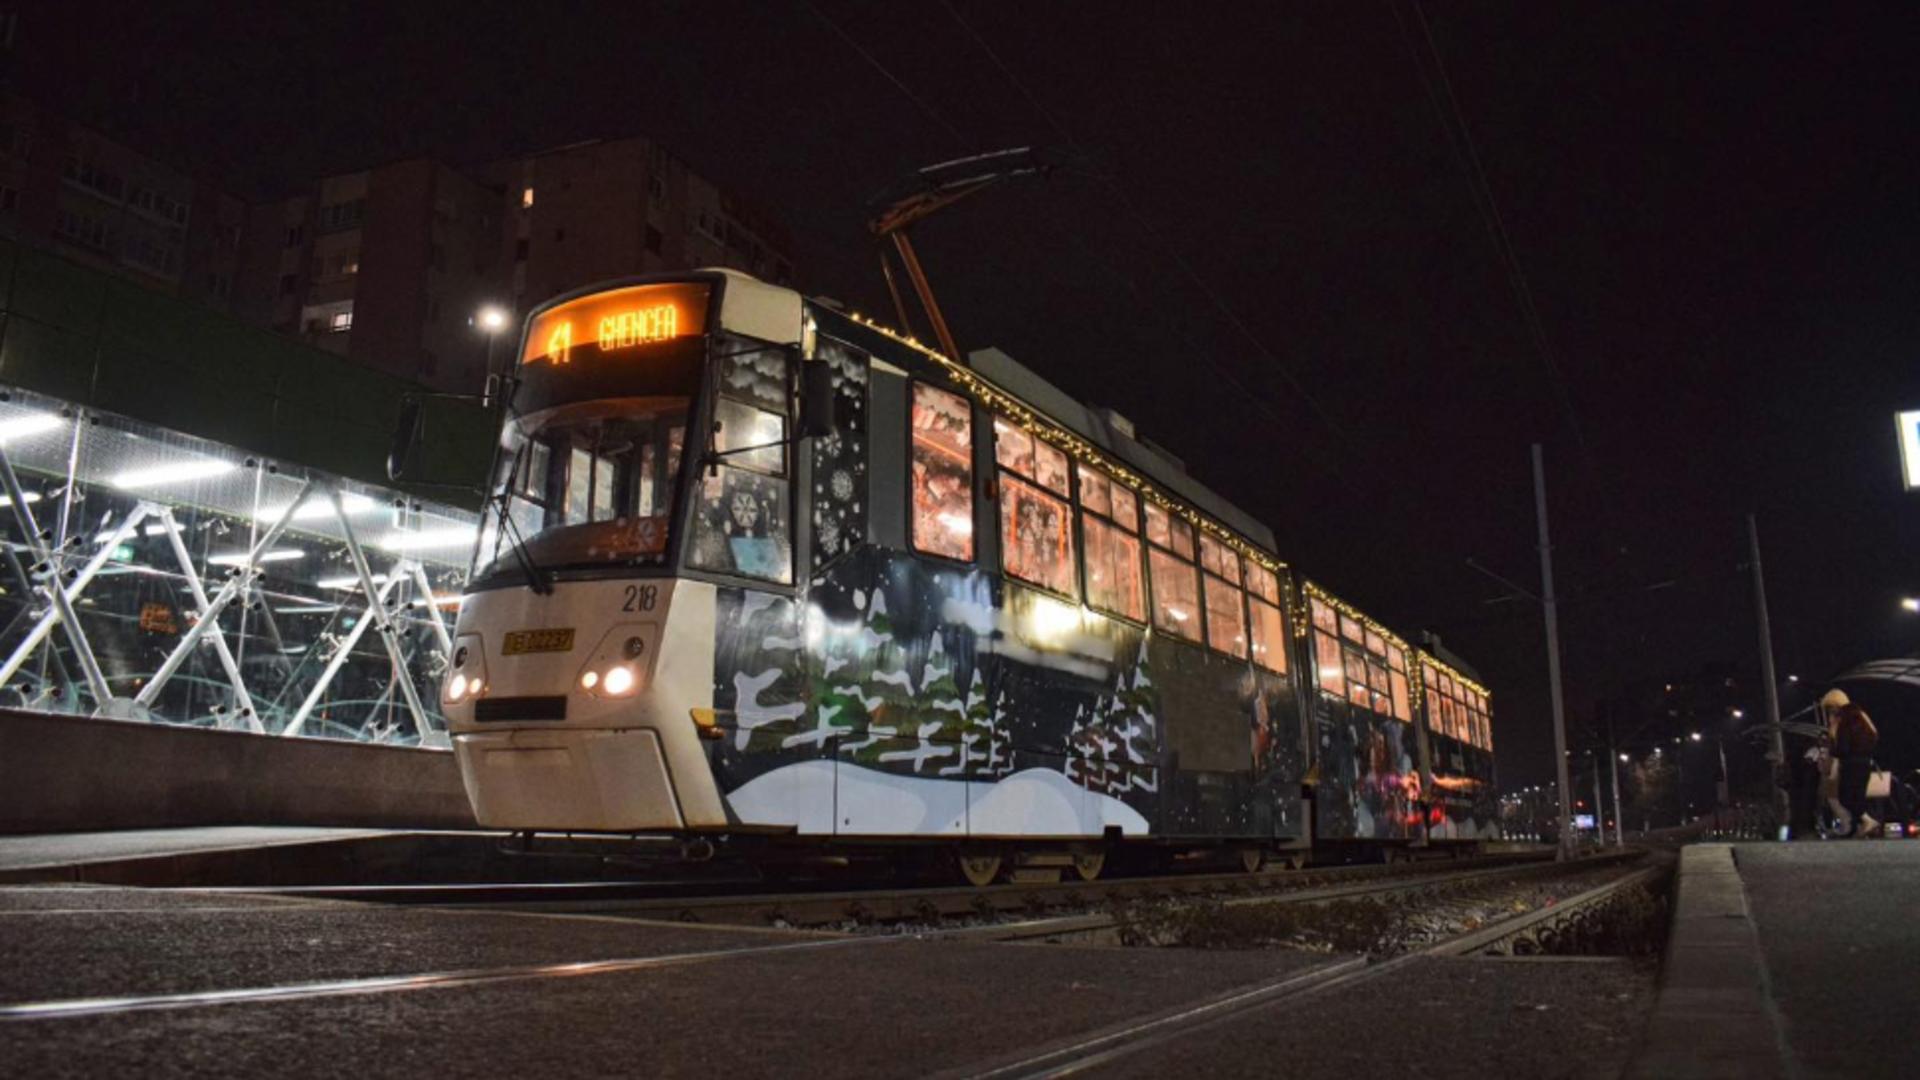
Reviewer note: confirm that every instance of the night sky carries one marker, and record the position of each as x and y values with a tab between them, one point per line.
1271	256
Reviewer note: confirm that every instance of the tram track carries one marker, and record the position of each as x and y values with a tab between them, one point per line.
915	906
1087	1052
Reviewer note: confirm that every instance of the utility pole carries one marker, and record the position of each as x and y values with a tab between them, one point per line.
1599	816
1619	808
1553	655
1777	750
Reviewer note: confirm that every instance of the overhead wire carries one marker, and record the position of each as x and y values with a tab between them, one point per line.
1219	303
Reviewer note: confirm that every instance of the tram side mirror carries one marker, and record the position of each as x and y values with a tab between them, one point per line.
816	399
406	435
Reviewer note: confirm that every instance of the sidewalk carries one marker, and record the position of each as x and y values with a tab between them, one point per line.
1790	960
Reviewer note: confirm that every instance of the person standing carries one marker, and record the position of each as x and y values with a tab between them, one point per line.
1853	740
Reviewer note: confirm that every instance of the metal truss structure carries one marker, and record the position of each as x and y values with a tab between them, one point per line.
59	584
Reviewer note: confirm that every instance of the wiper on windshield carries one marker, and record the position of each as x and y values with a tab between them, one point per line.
537	578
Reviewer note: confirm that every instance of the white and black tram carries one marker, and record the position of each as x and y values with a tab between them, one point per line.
755	568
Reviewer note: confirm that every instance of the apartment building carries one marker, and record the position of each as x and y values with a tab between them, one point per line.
386	266
610	208
76	191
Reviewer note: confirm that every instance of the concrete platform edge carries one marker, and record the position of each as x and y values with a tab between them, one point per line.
1715	1015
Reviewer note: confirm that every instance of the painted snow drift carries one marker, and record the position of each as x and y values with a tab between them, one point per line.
904	696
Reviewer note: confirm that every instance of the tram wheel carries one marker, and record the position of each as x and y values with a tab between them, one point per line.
1089	865
979	868
1252	859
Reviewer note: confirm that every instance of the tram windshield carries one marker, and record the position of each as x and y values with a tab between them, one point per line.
589	484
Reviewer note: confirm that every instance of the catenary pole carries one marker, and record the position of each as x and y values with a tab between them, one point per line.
1776	746
1619	808
1553	655
1599	814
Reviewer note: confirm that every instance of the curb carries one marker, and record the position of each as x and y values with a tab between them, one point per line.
1715	1015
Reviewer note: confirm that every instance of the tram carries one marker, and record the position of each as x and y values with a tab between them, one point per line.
758	571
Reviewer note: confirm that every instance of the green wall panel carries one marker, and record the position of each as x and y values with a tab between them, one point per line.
75	333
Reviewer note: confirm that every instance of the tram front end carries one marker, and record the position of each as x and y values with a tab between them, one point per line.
639	417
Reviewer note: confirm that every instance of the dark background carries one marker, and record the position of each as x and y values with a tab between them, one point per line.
1273	258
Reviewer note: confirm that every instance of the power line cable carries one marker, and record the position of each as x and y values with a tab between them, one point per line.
920	103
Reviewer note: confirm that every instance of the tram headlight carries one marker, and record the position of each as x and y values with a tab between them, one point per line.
618	681
457	686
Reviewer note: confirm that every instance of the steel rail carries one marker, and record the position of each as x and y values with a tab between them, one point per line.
1132	1037
897	904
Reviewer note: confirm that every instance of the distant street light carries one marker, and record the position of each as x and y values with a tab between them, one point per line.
1623	757
1695	736
1739	714
1911	603
491	319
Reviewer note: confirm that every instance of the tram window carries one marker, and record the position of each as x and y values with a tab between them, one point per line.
743	428
1012	447
1327	663
1126	508
942	473
1036	538
1402	708
743	514
1226	618
1050	467
1324	617
1397	659
1113	567
1095	491
1262	583
1356	672
579	481
1351	629
1219	559
1269	635
1157	531
1176	593
1376	644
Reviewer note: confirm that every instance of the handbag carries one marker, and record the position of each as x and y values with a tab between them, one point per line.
1880	784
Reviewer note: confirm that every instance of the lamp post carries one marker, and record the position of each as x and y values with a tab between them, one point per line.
491	319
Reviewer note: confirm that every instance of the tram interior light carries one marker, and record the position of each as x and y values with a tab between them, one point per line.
172	473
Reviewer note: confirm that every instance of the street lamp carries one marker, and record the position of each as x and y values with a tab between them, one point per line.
1694	736
491	319
1911	603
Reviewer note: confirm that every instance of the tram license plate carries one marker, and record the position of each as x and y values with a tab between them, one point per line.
532	641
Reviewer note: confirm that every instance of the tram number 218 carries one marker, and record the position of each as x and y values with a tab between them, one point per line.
641	598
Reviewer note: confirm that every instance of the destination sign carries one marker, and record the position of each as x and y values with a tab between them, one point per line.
606	325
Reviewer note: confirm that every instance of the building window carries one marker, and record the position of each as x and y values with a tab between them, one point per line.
654	240
288	283
295	235
942	473
340	321
656	188
1110	532
342	215
526	198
